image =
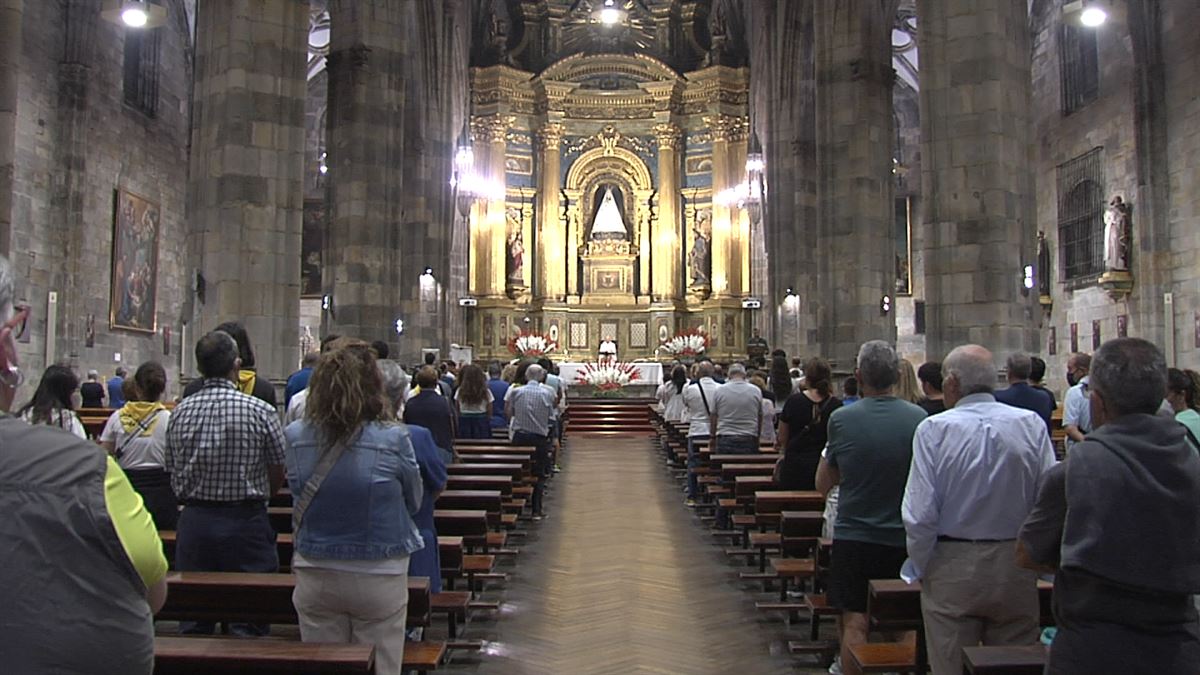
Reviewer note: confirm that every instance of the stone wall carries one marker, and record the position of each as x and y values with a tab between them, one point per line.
1124	121
70	160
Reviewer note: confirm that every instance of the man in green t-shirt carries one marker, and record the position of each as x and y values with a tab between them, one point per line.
868	456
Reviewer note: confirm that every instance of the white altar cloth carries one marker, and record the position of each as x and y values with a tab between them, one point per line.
649	372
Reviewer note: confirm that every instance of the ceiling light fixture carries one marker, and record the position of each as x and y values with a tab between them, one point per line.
610	14
134	13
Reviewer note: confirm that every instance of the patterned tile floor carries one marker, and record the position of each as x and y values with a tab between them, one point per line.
621	578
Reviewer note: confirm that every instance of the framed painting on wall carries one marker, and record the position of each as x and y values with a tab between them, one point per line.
136	222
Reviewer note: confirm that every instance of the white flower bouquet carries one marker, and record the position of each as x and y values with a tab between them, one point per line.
685	344
531	345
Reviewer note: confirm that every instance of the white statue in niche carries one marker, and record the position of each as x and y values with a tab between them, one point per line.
1117	235
609	224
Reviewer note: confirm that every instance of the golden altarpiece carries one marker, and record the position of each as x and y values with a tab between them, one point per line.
608	228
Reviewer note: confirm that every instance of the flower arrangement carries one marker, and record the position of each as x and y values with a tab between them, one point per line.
607	379
529	345
686	343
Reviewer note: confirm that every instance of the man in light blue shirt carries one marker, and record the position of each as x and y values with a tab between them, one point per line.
975	476
1077	412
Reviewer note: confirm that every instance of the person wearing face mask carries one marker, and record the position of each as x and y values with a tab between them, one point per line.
78	542
1077	416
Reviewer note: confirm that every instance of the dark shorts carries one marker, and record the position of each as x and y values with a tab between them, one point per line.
854	563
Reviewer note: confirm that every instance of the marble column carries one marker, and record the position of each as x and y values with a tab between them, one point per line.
729	135
552	238
665	241
975	159
366	151
11	12
855	252
246	192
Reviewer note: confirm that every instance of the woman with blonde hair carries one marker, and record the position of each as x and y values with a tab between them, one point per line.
354	476
908	388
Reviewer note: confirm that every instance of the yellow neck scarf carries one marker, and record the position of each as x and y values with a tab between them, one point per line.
133	413
246	379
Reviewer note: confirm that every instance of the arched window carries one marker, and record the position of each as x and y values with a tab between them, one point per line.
1080	67
1081	216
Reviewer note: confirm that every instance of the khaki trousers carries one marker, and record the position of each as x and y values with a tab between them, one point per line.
345	607
972	594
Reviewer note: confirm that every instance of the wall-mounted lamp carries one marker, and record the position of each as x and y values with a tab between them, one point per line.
610	13
133	13
1028	280
399	326
467	302
788	293
428	272
885	305
1089	13
323	167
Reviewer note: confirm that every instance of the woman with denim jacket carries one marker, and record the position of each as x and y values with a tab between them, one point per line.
353	545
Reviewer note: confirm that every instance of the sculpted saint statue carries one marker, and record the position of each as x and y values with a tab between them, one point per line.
1117	236
698	258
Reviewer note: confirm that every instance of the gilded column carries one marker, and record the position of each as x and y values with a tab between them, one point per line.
490	227
729	133
665	235
552	240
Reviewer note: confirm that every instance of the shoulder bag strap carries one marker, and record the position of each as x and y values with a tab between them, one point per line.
141	428
703	398
324	466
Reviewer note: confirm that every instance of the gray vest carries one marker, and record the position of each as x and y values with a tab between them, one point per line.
70	599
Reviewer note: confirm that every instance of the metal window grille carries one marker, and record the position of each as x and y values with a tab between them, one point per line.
141	69
1080	65
1081	216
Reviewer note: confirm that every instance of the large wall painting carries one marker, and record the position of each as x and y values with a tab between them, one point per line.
136	222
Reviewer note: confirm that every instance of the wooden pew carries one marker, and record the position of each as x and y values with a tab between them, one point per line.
515	471
501	484
471	525
256	598
1028	660
206	656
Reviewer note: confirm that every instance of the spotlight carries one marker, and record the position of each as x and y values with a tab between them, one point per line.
610	14
428	272
1093	17
134	13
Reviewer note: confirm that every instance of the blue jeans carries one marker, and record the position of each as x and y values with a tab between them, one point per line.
693	462
228	538
737	445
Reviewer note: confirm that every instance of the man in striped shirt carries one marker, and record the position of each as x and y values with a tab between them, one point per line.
529	409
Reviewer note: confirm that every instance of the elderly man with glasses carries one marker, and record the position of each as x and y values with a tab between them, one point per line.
78	542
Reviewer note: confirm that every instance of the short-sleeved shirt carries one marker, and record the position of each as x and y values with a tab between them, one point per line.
92	394
532	407
220	443
145	450
694	396
498	388
480	408
870	444
1077	409
738	406
66	420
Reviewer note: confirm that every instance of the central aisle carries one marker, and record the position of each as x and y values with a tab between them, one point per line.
621	579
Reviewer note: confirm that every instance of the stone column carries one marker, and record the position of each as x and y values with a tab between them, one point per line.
975	158
490	228
11	12
855	257
246	190
729	134
552	238
665	240
366	151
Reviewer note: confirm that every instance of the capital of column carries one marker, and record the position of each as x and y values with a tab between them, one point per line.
728	127
491	128
669	135
550	136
